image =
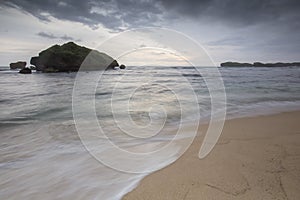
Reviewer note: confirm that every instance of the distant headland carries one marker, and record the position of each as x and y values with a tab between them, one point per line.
259	64
68	58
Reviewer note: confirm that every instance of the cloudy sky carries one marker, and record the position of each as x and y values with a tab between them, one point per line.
237	30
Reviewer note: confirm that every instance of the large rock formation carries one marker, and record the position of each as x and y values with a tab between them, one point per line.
259	64
18	65
69	57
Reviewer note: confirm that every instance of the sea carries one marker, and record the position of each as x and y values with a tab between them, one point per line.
47	153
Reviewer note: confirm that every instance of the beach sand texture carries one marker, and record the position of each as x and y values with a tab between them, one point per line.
255	158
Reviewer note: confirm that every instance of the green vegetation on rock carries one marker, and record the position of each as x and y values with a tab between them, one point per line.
70	57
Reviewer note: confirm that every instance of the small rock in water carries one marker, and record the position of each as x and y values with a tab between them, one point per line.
122	66
25	71
18	65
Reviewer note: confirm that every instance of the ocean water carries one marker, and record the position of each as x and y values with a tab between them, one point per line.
43	157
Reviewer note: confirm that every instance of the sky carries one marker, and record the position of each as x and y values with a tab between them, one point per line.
228	30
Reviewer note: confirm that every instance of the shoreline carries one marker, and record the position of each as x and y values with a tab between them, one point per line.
255	157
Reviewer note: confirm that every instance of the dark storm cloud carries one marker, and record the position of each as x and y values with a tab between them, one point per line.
238	12
111	14
52	36
118	14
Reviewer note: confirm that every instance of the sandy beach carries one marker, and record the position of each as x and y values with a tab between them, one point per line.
255	158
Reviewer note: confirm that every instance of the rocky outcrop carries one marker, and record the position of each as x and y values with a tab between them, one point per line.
69	57
259	64
26	70
18	65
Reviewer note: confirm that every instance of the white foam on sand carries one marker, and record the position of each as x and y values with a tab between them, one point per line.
49	162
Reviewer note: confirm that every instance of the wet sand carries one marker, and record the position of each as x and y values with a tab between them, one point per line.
255	158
